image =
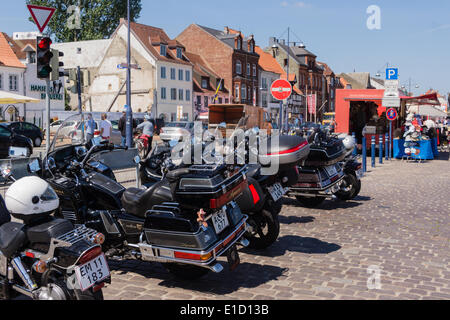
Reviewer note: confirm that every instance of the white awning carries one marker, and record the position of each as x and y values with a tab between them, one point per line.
12	98
427	110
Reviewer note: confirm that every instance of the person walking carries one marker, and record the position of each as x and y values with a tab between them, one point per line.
105	128
123	128
90	128
147	133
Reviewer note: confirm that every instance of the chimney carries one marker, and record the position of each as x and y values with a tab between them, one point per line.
272	41
282	42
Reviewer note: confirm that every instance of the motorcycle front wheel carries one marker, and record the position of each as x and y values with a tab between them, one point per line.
57	289
185	271
266	228
348	189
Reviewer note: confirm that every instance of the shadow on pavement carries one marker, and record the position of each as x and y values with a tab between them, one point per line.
295	220
246	275
443	156
327	205
295	244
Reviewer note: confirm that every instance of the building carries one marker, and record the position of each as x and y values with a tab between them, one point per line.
332	82
358	81
206	87
161	76
230	55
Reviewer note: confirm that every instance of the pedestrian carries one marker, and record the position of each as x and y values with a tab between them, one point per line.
123	127
147	133
90	128
105	128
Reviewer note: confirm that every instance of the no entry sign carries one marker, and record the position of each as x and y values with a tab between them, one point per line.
281	89
391	114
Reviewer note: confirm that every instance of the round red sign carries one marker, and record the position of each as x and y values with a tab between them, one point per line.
281	89
392	114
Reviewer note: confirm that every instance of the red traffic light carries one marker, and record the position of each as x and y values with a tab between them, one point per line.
45	43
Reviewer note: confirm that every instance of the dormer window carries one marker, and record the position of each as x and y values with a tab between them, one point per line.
163	50
251	47
179	53
239	44
204	83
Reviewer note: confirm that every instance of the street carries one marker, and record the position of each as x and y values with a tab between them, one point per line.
399	224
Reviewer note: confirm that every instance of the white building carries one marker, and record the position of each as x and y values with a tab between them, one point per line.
161	84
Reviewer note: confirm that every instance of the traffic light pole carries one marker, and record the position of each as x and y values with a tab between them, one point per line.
129	115
80	106
47	103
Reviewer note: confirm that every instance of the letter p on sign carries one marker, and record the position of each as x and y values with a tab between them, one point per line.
391	74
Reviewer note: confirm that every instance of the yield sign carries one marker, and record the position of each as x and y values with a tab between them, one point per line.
41	15
281	89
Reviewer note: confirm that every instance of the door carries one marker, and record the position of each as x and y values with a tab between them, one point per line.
5	142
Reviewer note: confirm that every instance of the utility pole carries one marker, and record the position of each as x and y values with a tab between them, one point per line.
129	128
285	114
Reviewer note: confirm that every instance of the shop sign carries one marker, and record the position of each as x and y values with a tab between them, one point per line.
42	89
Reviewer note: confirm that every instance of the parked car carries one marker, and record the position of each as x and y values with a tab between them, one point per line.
26	129
9	139
54	126
176	131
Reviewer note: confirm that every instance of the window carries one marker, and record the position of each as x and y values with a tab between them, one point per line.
172	74
13	83
180	94
254	70
264	83
173	94
163	50
236	91
32	57
188	95
220	100
264	100
188	75
163	93
206	101
4	132
163	73
248	69
251	47
1	81
179	53
244	92
238	67
204	83
199	101
180	75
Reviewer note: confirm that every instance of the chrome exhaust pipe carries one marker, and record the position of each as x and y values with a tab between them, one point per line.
217	268
23	274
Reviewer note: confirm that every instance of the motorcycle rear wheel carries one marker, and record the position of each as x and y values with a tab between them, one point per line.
185	271
351	184
266	219
310	202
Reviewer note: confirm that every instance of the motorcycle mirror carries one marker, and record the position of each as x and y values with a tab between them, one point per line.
137	160
96	141
34	166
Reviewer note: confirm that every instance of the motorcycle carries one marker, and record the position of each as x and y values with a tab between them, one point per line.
46	258
261	200
185	221
321	175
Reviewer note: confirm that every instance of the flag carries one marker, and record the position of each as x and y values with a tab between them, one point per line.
216	96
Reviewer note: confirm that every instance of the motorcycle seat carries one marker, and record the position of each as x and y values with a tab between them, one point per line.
12	238
175	175
138	201
43	233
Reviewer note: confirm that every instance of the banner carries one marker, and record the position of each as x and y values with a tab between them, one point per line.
312	103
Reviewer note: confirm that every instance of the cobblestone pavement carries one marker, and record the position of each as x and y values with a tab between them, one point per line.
400	225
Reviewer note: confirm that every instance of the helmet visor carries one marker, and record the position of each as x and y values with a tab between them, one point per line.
49	195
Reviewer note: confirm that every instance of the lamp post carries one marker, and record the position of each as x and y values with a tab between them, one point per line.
129	128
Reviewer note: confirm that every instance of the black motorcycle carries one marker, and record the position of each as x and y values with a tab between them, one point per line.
261	200
186	221
46	258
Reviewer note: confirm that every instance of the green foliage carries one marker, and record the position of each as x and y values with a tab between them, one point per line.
99	18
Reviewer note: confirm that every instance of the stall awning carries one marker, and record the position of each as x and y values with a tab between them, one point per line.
428	99
427	110
12	98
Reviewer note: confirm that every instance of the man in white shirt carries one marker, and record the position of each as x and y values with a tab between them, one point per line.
105	127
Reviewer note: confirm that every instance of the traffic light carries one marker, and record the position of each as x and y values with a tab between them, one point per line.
44	56
55	64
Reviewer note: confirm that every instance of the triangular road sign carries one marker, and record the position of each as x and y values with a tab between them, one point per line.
41	15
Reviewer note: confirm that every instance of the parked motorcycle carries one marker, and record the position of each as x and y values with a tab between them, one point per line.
261	200
321	175
46	258
186	221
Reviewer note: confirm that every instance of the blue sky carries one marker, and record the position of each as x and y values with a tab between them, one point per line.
414	34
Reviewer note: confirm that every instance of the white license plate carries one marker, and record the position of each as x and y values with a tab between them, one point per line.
331	170
220	221
277	192
92	272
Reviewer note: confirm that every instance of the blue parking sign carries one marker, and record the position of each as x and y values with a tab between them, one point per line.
392	74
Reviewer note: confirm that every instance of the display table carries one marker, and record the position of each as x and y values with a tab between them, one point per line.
426	150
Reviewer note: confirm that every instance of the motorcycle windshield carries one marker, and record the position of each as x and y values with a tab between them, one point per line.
70	132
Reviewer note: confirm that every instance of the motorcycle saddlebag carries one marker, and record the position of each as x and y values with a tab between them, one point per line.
12	238
43	233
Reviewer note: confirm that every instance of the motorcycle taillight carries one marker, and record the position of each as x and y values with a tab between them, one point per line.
90	255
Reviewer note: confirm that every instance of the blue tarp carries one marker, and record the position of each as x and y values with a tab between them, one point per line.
427	150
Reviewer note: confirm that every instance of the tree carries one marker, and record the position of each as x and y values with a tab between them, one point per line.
78	20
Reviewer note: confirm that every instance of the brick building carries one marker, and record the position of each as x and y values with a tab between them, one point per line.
230	55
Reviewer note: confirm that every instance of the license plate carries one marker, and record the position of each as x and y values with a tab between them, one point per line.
220	221
277	192
331	170
95	271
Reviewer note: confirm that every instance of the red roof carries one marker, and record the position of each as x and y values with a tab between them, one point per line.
7	56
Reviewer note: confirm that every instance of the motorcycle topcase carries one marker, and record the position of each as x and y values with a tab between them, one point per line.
327	153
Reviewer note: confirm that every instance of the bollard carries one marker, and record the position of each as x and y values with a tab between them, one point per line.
373	149
364	154
381	148
386	150
355	151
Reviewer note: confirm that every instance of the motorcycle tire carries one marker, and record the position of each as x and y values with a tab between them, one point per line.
185	271
310	202
357	189
351	185
89	295
266	218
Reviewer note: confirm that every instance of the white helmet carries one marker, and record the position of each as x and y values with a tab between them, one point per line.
30	198
349	142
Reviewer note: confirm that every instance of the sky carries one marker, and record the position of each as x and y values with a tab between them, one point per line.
413	35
